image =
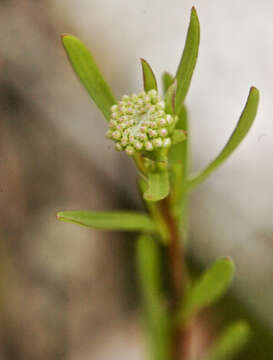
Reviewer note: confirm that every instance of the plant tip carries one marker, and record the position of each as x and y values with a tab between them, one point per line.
229	259
193	9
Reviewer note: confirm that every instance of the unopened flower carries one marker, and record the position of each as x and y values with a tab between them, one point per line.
139	122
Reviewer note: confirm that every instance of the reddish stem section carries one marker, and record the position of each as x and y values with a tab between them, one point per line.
178	274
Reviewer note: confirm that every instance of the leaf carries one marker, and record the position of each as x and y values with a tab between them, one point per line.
167	80
158	186
178	136
209	288
89	74
170	98
230	342
149	79
188	60
156	214
149	265
127	221
244	124
178	160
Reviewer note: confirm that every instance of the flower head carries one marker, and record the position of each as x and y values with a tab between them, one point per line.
140	123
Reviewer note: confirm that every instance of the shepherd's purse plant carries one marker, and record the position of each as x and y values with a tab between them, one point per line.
152	129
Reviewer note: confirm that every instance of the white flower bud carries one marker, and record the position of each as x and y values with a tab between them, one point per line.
169	119
161	104
163	132
116	135
162	122
152	92
142	137
166	142
129	150
152	133
124	141
109	134
148	146
118	147
157	142
114	108
138	145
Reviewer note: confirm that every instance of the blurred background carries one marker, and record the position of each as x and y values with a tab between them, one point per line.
68	292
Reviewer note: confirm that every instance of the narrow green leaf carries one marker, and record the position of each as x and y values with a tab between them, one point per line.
158	186
178	152
178	160
230	342
127	221
178	136
244	124
188	60
209	288
149	79
149	265
167	80
170	98
89	74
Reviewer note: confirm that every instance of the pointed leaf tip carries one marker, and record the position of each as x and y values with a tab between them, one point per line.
242	128
88	73
149	80
188	60
116	220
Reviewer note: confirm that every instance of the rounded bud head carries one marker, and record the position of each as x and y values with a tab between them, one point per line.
118	147
163	132
129	150
166	142
157	142
148	146
116	135
139	122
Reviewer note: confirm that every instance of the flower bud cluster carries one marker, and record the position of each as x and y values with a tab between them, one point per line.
139	123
